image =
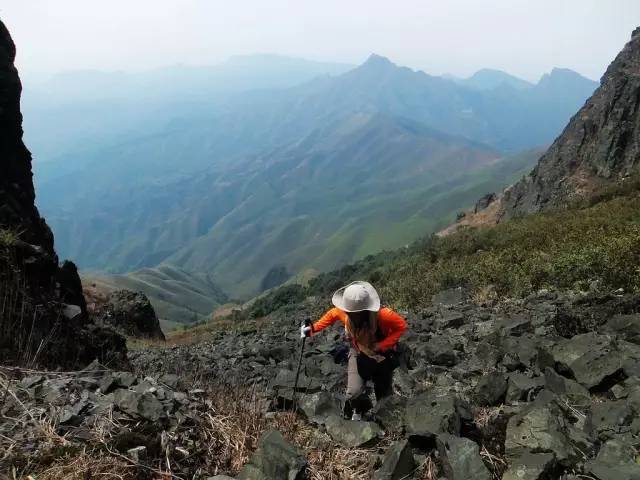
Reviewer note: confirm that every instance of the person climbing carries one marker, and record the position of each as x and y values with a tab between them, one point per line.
374	333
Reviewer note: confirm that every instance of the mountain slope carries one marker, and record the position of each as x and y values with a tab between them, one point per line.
74	108
490	79
307	177
599	146
176	295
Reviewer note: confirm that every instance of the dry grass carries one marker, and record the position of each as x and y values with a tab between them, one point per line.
484	296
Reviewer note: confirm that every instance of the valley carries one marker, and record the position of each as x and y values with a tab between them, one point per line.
312	176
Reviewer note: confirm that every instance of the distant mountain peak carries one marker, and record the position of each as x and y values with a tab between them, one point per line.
378	61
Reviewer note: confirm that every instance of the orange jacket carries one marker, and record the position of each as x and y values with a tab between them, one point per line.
390	324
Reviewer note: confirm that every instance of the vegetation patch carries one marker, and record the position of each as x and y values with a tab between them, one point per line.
589	246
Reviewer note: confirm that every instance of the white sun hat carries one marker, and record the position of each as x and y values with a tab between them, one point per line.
357	297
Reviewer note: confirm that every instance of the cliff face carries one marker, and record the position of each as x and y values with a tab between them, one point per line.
17	196
599	146
32	285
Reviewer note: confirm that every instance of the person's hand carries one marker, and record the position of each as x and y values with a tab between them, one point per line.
305	331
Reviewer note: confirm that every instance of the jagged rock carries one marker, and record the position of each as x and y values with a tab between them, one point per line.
530	466
318	407
287	378
561	386
428	415
439	351
516	326
450	319
398	462
599	146
521	387
627	326
275	459
491	390
132	314
484	202
616	460
31	258
351	433
590	358
144	405
609	418
137	454
389	413
541	428
461	458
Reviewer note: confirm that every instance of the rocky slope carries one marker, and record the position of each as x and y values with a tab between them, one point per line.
600	146
542	388
43	308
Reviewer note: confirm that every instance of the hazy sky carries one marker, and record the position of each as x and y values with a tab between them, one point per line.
524	37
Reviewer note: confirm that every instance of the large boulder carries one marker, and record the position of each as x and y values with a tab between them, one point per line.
350	433
398	462
616	460
491	389
318	407
275	459
591	358
132	314
543	427
461	458
531	466
429	414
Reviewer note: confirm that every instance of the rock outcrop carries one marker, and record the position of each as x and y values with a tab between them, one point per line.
17	195
599	147
131	314
43	314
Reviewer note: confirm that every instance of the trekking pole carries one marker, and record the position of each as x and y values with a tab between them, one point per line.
307	323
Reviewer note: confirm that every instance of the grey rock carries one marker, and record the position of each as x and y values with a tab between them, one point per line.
627	326
351	433
143	405
609	418
220	477
616	460
275	459
450	319
440	351
390	413
398	462
319	406
137	454
170	380
568	351
530	466
595	367
491	389
521	387
461	458
516	326
540	427
287	378
556	383
429	414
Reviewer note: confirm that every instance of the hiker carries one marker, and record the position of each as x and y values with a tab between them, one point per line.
373	333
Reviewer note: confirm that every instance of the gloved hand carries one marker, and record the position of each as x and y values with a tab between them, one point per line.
305	331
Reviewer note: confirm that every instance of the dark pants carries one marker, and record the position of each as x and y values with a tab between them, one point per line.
361	369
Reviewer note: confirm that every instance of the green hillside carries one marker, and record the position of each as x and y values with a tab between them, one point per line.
592	246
